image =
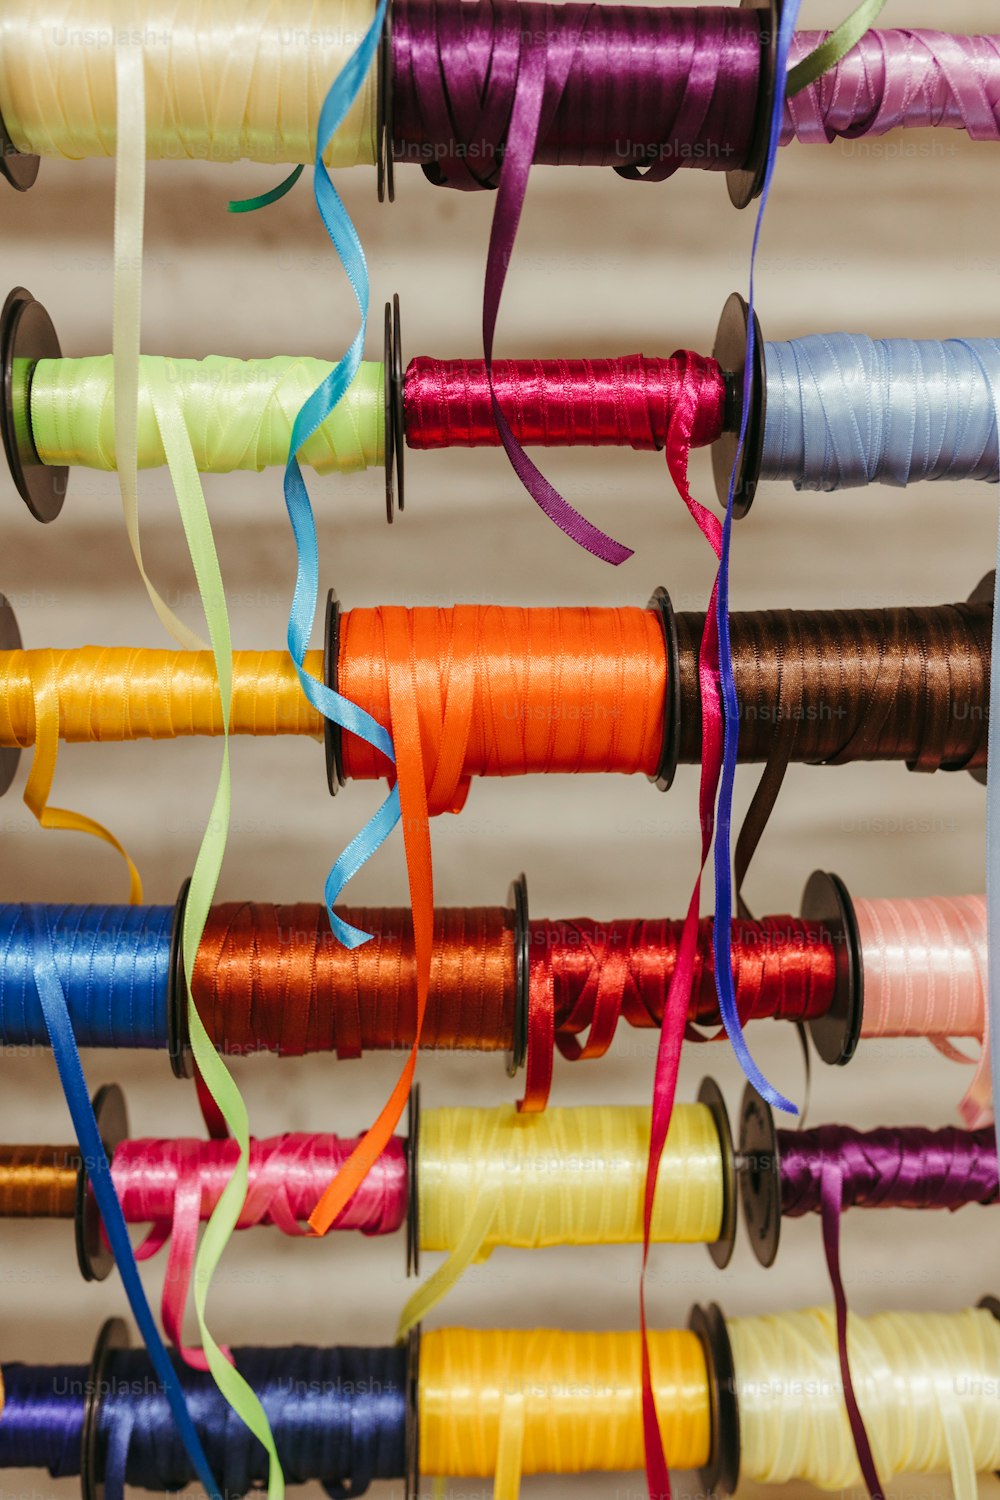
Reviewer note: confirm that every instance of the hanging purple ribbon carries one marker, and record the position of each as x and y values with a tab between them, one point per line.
832	1207
541	79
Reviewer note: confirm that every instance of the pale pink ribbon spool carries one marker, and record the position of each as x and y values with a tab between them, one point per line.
925	974
896	79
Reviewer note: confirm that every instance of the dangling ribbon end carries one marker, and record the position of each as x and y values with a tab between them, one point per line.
264	200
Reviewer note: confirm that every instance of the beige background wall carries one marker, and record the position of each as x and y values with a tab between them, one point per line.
864	238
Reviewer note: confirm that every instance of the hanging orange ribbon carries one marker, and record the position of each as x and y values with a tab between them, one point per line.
413	796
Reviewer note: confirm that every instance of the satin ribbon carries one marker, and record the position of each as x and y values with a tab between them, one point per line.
314	412
213	1071
466	1252
264	200
411	802
714	654
832	1179
67	1058
723	872
831	1209
535	102
182	1231
510	1447
130	191
678	442
837	45
812	67
675	1011
45	697
409	796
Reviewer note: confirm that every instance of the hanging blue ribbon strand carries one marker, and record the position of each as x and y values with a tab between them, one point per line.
315	411
722	927
67	1057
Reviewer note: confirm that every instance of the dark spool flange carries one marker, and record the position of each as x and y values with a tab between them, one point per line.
517	900
412	1488
670	752
730	350
112	1338
721	1474
18	167
721	1250
93	1256
836	1035
413	1183
395	426
332	737
746	183
10	640
385	163
388	432
759	1166
178	1038
27	335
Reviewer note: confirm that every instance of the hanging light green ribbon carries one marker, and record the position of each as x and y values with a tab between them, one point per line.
129	377
837	45
217	1077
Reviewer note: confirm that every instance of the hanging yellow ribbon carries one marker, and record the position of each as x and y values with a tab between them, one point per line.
44	677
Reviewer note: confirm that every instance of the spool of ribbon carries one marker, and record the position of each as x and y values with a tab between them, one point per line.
340	1416
785	1174
504	1177
569	1177
348	1416
908	684
827	412
751	1398
924	1383
435	69
902	683
274	978
905	968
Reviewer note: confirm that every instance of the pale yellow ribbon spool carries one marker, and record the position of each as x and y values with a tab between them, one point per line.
571	1176
224	79
928	1385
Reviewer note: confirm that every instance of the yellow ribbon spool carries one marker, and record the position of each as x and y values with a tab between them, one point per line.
546	1402
489	1177
567	1176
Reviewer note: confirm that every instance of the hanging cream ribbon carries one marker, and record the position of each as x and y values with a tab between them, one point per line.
130	198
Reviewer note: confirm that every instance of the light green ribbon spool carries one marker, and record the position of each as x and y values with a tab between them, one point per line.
238	413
